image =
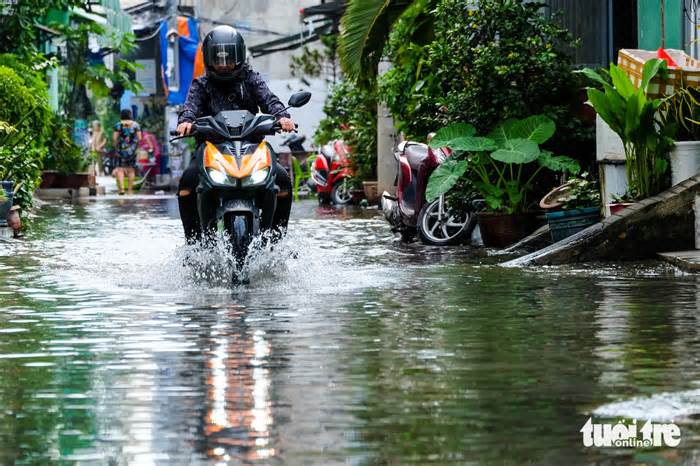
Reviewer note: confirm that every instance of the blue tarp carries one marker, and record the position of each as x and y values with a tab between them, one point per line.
187	52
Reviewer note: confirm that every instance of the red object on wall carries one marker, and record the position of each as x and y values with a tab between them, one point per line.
662	54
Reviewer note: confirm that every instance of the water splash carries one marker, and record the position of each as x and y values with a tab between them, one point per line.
660	407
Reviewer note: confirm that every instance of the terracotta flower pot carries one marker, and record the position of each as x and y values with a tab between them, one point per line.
48	178
618	207
357	195
501	230
371	191
72	181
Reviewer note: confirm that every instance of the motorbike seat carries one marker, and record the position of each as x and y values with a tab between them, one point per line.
415	154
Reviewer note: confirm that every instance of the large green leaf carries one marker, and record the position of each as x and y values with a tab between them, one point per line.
365	30
617	107
602	106
502	133
558	163
622	82
633	116
650	70
492	194
538	128
473	144
593	75
445	136
444	178
517	151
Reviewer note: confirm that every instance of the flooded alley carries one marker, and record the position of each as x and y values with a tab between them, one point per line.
346	348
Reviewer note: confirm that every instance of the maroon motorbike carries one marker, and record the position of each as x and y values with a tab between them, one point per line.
436	222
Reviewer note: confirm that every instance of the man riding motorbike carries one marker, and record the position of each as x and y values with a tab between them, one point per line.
229	84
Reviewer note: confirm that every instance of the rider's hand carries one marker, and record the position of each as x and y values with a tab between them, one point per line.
287	124
184	128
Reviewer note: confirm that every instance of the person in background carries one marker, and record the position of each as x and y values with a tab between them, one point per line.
97	146
149	143
126	139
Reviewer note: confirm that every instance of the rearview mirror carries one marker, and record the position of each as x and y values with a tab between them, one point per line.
299	99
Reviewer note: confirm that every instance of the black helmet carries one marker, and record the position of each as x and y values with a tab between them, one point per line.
224	53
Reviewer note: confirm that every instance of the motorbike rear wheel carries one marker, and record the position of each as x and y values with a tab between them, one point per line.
440	227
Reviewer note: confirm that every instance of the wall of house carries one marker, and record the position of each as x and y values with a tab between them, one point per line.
602	26
253	17
649	13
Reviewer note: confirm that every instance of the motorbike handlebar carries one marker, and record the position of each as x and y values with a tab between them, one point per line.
275	129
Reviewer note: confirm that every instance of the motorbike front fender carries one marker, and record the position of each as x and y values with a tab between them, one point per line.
241	207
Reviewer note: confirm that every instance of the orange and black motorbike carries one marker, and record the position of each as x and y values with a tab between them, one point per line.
237	193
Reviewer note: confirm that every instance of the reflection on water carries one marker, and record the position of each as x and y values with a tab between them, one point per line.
348	348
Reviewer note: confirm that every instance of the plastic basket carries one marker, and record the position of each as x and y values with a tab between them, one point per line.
687	74
565	223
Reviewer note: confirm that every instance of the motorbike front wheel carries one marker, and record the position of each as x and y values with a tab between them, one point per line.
342	192
438	226
240	233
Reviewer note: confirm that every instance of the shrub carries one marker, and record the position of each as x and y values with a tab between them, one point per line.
24	107
503	60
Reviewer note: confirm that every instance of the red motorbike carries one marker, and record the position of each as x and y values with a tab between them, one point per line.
331	172
436	222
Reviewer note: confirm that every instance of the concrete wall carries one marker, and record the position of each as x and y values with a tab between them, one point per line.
280	16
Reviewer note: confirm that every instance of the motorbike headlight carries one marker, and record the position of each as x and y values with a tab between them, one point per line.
218	177
257	177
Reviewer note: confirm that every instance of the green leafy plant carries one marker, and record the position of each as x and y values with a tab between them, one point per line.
505	164
26	122
681	112
635	117
582	192
63	154
80	75
351	115
365	24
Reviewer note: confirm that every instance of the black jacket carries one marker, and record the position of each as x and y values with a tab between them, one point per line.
248	92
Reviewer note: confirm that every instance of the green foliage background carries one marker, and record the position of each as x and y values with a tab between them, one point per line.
351	115
24	108
503	60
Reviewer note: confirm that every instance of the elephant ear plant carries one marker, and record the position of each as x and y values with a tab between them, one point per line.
635	117
505	164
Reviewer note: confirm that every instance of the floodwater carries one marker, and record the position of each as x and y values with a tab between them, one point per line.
346	348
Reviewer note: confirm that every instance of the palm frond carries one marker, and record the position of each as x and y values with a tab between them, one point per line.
365	30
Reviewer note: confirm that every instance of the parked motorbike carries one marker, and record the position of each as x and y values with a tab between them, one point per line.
237	193
331	172
408	212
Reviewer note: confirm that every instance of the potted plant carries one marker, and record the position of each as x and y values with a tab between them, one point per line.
622	201
65	164
574	206
633	114
505	165
681	112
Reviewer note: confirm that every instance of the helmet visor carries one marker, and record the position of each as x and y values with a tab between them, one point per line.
224	56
